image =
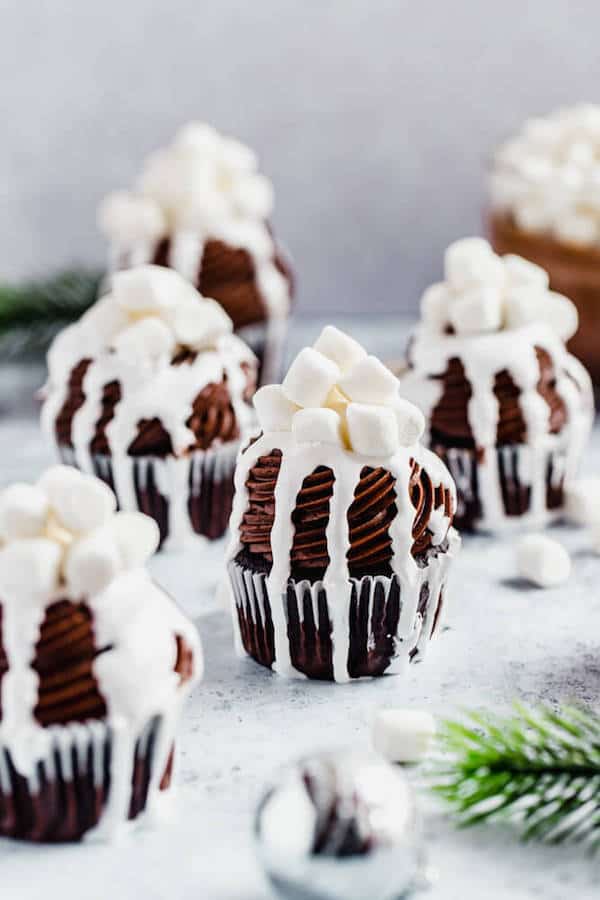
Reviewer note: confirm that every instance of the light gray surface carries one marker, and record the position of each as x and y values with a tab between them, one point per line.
242	723
375	119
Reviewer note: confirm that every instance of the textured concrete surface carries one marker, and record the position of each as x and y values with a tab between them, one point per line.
502	642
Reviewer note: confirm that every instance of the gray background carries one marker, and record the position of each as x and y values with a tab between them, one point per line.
374	119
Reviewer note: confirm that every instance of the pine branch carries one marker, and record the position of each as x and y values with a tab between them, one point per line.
32	313
536	769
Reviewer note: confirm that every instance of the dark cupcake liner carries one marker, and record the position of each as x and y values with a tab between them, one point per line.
388	624
267	340
65	795
515	483
209	479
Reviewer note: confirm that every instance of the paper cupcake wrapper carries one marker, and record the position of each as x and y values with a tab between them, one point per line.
388	624
65	795
528	491
186	496
267	340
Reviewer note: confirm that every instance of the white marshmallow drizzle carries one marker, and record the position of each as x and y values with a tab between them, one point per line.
136	678
202	186
300	457
548	175
511	347
151	387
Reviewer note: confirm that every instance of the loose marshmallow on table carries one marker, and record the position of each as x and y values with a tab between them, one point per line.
310	378
340	348
403	735
80	502
543	561
369	381
582	500
317	425
274	410
23	511
373	430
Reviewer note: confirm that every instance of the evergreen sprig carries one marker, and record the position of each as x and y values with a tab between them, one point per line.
33	312
538	769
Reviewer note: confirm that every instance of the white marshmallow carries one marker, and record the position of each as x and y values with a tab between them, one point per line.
582	500
523	305
411	422
29	568
23	512
200	322
522	273
80	502
274	410
533	215
472	261
317	426
369	381
237	156
253	195
561	314
310	378
128	218
403	735
104	319
137	537
542	560
148	338
373	430
151	289
435	306
198	138
478	309
339	347
577	228
92	563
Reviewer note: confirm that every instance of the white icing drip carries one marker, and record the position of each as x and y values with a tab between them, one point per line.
483	357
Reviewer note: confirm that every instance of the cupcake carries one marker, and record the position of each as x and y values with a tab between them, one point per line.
508	409
341	528
151	392
201	207
95	663
545	206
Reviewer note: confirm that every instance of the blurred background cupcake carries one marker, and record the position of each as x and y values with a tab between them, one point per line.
95	662
508	409
201	207
150	391
545	206
341	532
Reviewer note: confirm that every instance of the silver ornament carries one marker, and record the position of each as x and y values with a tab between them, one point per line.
340	826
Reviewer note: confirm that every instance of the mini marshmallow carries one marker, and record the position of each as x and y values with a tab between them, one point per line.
137	537
80	502
253	196
104	319
146	338
92	563
369	381
198	138
561	314
372	430
317	425
543	561
577	228
23	512
310	378
150	289
274	410
128	218
582	500
478	309
522	273
340	348
403	735
435	304
522	305
29	567
472	261
411	422
200	322
237	156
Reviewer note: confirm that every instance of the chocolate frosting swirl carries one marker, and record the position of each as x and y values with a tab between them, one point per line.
450	422
369	518
227	274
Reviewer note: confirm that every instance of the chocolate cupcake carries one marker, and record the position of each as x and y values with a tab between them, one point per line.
201	207
151	392
509	410
95	662
341	529
545	206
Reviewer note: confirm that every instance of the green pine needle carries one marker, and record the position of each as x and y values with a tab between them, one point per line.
537	769
32	313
